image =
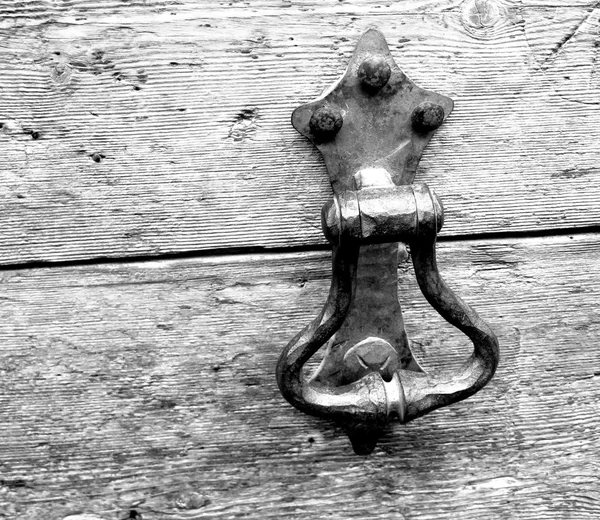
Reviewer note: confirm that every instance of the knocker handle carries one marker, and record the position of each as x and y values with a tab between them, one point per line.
368	403
428	392
371	128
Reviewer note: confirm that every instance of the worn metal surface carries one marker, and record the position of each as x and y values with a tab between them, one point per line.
371	127
377	128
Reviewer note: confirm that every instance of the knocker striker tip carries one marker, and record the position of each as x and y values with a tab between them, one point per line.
371	127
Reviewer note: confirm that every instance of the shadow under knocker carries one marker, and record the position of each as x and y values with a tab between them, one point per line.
371	128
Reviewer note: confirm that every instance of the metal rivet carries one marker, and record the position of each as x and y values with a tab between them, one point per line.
372	355
427	117
374	73
326	122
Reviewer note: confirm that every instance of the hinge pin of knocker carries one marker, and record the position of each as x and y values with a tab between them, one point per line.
371	127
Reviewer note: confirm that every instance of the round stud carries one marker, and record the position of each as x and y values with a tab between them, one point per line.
372	355
427	117
374	73
326	122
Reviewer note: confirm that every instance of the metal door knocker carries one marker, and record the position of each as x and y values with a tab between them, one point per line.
371	128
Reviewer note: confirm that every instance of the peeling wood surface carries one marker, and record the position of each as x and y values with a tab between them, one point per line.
150	387
154	127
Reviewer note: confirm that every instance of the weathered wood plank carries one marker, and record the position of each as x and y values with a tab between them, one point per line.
150	387
154	127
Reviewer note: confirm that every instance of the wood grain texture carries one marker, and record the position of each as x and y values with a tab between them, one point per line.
154	127
149	387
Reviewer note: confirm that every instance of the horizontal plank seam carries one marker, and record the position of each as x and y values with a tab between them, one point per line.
282	250
595	228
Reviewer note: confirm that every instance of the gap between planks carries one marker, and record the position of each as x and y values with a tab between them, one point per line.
265	251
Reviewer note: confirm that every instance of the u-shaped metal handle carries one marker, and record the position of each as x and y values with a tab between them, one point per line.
371	128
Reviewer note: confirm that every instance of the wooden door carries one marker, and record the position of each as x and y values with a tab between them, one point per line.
160	243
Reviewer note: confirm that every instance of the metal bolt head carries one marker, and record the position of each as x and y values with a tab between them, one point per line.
374	73
427	117
326	122
371	355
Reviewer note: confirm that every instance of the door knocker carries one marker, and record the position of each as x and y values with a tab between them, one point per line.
371	128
